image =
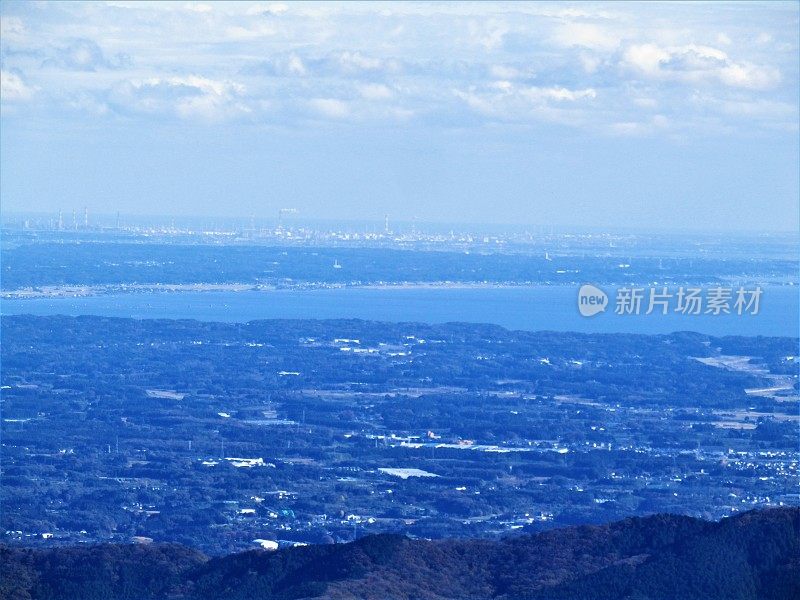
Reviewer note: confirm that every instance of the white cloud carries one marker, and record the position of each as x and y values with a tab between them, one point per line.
590	62
82	54
697	64
375	91
763	38
13	88
656	124
186	96
87	103
559	94
198	7
751	76
506	101
254	31
356	61
285	65
646	58
11	28
505	72
295	65
585	35
489	35
579	13
645	102
275	8
330	107
209	107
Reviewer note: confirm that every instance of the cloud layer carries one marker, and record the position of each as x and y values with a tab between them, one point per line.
616	69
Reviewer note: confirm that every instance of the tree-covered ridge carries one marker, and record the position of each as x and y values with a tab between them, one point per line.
754	555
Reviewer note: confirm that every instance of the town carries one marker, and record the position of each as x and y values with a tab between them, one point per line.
273	433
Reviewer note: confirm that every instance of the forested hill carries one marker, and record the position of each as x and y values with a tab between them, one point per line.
754	555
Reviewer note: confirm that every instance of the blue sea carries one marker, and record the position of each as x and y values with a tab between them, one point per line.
526	308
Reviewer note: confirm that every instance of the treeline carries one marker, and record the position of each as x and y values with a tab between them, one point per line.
100	263
750	556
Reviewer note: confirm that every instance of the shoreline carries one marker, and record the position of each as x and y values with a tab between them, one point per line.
86	291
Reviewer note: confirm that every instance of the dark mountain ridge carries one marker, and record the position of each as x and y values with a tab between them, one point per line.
754	555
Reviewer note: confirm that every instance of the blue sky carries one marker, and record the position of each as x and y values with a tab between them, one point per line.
669	115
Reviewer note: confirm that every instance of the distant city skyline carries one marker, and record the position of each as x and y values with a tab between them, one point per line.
574	115
110	220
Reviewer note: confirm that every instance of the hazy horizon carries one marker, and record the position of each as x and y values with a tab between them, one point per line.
108	220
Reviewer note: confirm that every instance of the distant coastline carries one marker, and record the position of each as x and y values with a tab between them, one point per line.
84	291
